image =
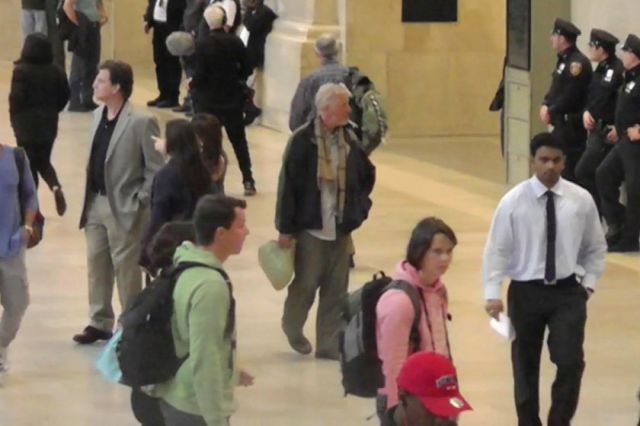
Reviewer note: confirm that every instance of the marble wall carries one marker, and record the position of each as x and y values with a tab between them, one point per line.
438	78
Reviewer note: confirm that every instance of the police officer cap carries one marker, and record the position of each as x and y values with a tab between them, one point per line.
632	44
566	28
602	38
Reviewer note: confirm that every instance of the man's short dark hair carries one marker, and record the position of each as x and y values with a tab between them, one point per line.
545	139
422	238
213	212
120	73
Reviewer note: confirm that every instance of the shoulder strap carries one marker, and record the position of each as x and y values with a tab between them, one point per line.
20	158
231	315
416	301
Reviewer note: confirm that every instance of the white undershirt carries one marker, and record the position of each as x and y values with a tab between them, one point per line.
160	11
516	244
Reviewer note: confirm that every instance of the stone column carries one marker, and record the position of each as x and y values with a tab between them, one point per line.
290	54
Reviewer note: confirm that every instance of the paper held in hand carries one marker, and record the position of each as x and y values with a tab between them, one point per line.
503	327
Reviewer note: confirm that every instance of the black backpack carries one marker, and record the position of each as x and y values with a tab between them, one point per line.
361	368
146	352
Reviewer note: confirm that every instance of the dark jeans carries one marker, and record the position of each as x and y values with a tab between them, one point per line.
597	149
174	417
84	67
622	164
569	130
168	69
320	266
146	409
533	308
39	154
233	122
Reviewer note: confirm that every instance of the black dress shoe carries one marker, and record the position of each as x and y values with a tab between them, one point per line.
300	344
155	101
82	107
91	335
167	103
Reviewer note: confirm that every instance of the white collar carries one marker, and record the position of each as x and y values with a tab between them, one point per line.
539	189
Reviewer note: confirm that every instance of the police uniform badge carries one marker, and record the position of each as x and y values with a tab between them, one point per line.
575	68
608	76
629	87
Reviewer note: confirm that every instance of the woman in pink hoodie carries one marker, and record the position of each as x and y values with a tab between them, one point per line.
429	255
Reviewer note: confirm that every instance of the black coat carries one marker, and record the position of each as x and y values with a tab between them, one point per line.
39	91
171	200
220	72
175	13
259	23
299	205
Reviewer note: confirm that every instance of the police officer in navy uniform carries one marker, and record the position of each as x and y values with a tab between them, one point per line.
564	103
599	114
623	162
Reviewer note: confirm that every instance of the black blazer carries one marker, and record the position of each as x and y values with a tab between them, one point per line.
175	12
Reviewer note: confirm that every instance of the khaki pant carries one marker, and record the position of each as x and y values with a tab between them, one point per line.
112	253
14	296
324	266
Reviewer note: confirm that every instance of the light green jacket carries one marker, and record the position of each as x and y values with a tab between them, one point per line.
205	382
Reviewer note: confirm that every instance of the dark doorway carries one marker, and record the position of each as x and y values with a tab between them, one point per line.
429	10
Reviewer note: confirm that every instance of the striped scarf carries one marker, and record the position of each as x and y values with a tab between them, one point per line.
325	170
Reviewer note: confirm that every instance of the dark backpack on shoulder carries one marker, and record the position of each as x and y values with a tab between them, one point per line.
361	368
146	352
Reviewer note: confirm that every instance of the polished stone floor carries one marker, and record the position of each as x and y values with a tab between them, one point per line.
53	382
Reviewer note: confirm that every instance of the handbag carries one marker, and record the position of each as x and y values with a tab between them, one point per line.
107	362
38	222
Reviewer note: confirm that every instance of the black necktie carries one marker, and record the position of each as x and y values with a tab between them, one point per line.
550	264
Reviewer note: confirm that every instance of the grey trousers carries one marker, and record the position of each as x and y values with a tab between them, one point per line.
112	253
174	417
34	21
324	266
14	296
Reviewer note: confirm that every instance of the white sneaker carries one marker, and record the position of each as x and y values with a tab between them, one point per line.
4	366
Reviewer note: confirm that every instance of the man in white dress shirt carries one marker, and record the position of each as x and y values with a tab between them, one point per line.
544	232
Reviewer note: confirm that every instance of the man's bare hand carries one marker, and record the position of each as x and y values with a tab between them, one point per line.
634	133
285	240
544	114
612	136
588	121
493	307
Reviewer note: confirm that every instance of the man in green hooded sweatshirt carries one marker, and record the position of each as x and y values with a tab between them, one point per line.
203	322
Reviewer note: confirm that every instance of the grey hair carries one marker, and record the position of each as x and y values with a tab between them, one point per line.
328	93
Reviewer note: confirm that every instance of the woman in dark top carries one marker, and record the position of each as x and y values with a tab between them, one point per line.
179	184
39	91
209	133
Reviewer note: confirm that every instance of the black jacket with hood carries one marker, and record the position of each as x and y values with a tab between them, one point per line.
39	91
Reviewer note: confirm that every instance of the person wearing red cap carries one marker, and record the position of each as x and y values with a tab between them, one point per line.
428	391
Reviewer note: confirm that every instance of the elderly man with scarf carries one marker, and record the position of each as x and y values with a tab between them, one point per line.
323	195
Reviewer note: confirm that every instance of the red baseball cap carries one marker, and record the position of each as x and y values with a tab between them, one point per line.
432	379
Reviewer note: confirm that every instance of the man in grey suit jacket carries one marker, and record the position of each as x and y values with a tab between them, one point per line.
120	170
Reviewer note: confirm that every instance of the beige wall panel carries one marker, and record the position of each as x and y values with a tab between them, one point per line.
131	44
10	32
437	75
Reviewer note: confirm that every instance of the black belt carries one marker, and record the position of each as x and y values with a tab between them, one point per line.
570	280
